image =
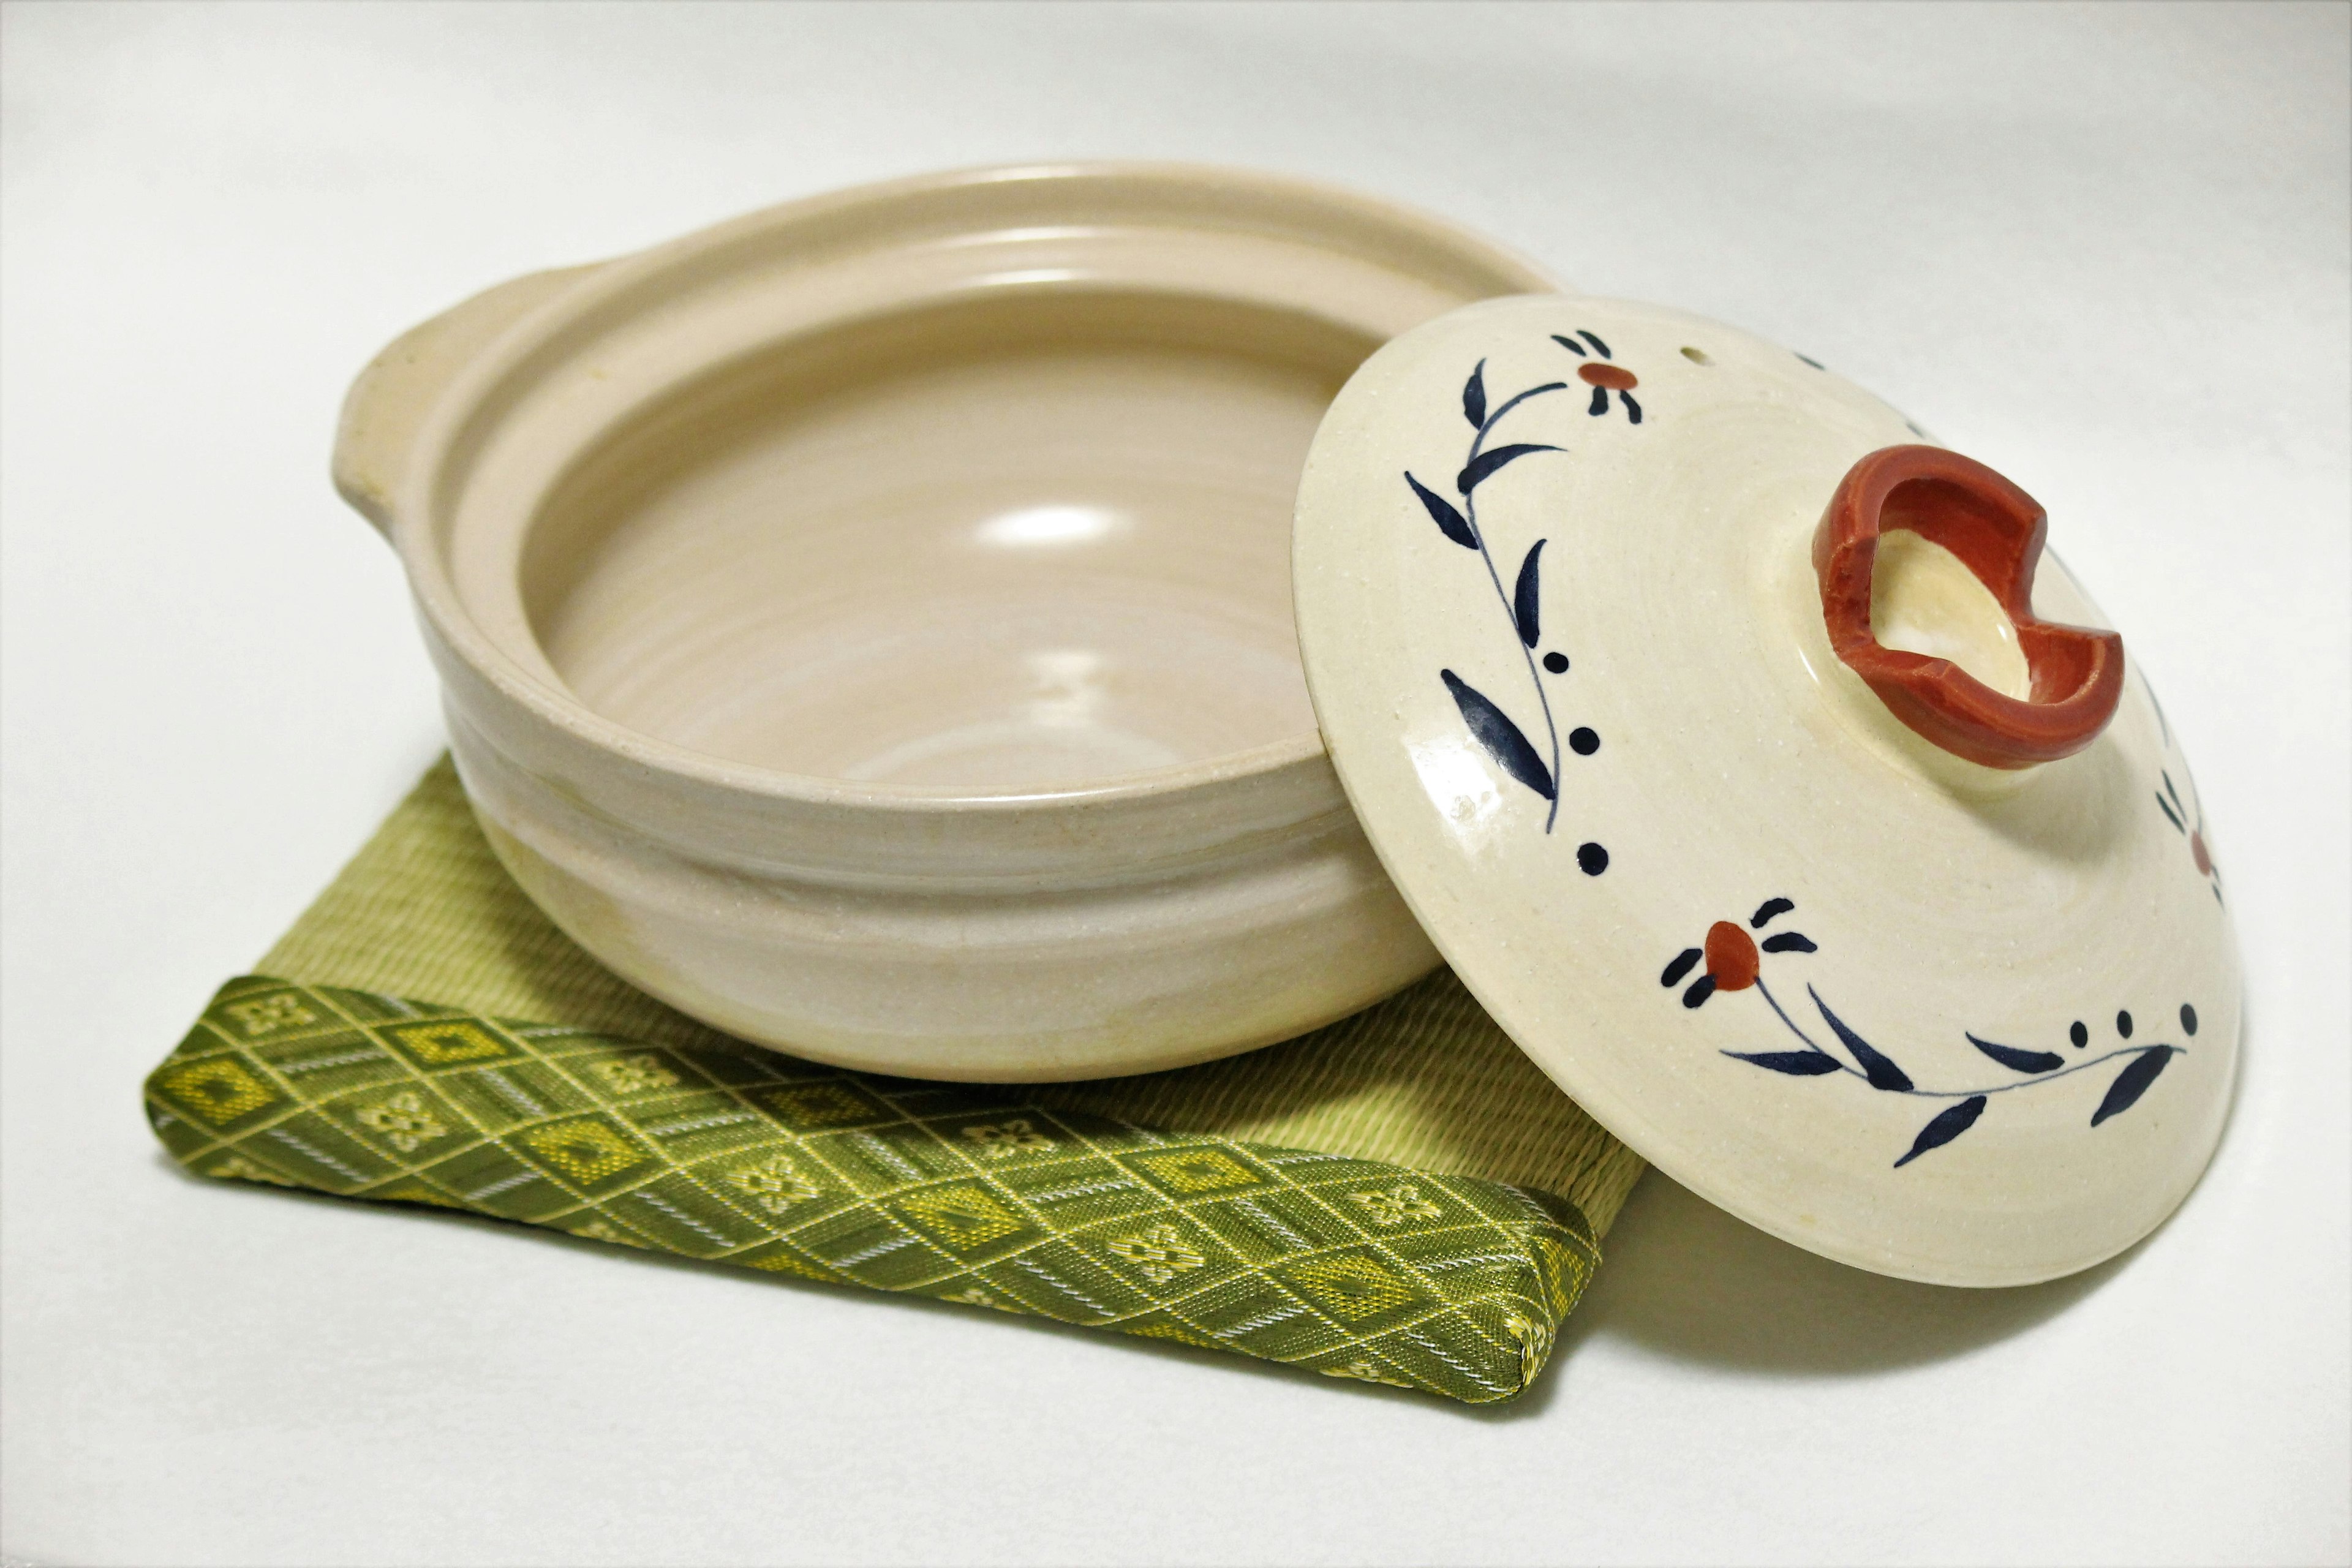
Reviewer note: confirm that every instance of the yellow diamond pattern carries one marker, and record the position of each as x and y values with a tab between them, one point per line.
964	1218
819	1105
1349	1266
1352	1288
448	1043
219	1090
585	1151
1199	1171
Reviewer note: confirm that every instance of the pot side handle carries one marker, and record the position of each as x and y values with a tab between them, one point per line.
387	405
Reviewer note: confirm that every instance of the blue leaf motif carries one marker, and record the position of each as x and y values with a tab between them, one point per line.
2132	1083
1524	606
1800	1063
1789	942
1474	397
1881	1072
1948	1124
1494	730
1685	962
1450	522
1770	911
2017	1060
1482	466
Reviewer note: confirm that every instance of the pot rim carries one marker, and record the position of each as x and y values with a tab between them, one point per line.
1327	213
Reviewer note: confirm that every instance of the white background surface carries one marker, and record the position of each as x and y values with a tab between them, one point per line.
2104	249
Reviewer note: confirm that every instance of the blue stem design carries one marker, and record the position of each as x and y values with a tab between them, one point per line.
1845	1067
1470	512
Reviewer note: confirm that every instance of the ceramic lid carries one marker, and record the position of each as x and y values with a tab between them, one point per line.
1753	763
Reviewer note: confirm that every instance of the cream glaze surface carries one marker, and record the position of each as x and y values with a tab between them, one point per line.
1953	1022
1024	543
866	625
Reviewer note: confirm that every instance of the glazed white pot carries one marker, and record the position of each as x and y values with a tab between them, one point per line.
865	625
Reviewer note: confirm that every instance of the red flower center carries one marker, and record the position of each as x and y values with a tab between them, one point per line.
1730	956
1608	376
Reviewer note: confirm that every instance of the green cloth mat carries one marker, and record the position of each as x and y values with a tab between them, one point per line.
1400	1197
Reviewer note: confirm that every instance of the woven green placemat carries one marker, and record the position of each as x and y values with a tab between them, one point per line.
1400	1198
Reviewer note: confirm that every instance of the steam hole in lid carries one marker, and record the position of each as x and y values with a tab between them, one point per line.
1925	600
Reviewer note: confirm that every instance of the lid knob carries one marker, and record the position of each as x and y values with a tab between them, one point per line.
1995	529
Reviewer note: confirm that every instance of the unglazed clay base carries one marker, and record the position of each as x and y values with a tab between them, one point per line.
1004	544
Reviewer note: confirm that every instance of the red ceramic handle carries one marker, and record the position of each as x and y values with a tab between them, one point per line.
1997	530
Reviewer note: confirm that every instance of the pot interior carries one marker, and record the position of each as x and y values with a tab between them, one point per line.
1030	538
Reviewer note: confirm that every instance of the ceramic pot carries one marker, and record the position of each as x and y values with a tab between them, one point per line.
867	625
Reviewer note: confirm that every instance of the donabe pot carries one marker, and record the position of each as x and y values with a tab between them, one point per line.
867	625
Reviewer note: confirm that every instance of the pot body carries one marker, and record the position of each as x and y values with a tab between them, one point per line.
606	648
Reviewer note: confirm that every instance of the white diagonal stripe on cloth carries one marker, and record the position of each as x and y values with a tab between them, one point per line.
315	1155
341	1059
1263	1321
683	1218
1066	1288
1425	1342
871	1253
671	1128
1057	1195
513	1095
507	1184
888	1156
1474	1260
1250	1207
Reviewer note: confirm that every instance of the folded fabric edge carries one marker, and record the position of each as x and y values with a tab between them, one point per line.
1355	1269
